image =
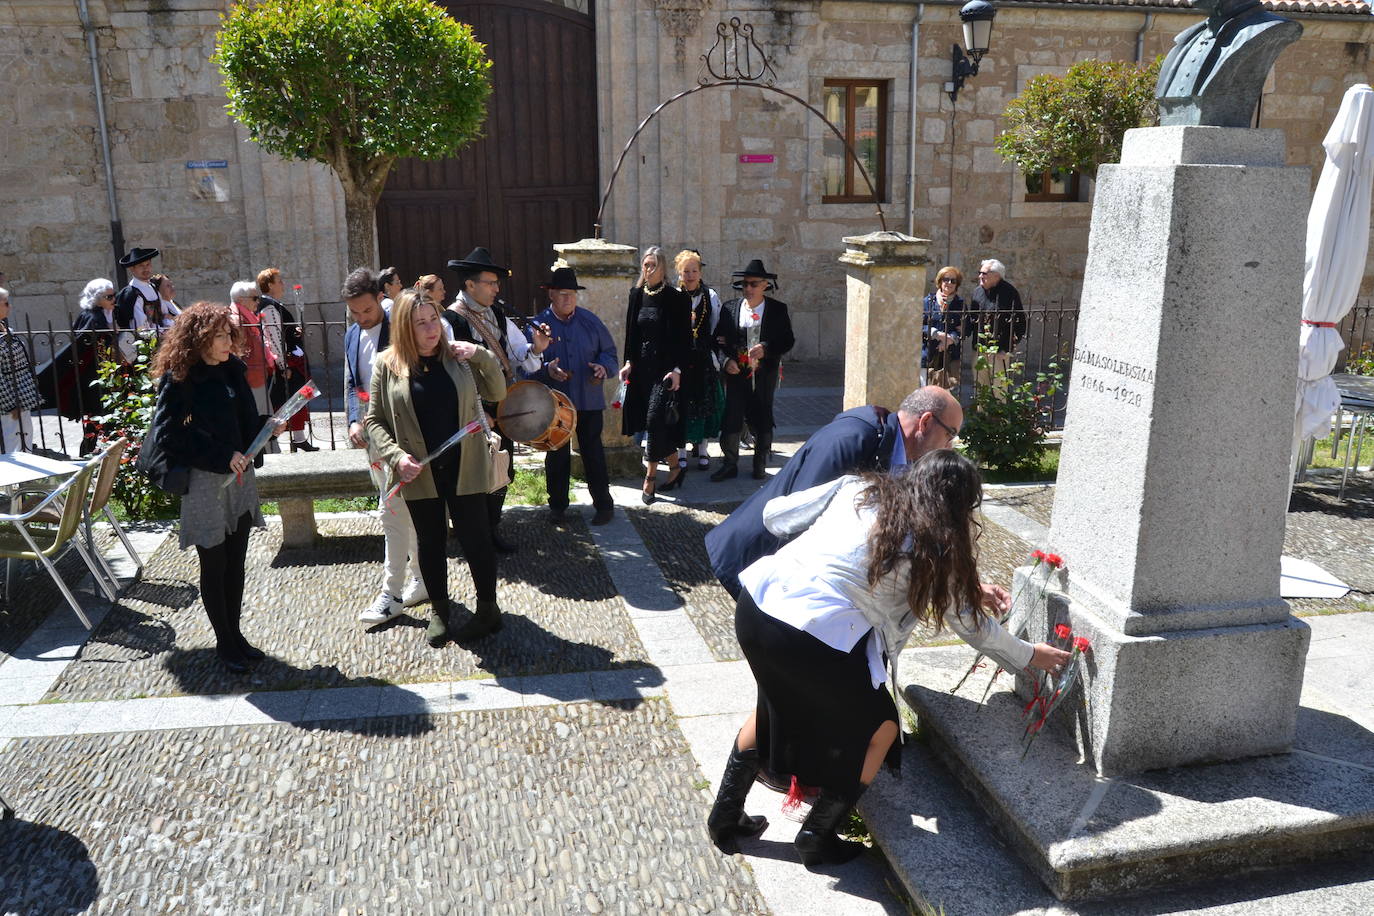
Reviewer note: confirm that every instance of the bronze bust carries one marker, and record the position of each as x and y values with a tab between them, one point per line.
1216	69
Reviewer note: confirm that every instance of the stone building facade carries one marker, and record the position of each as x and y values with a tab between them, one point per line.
735	173
686	183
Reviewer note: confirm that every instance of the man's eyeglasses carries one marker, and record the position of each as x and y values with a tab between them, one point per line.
488	282
953	433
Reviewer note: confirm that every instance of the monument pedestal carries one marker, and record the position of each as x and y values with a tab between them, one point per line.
885	283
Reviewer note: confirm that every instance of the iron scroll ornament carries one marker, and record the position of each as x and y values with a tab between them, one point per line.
729	38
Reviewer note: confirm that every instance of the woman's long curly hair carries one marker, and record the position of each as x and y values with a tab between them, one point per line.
185	344
927	515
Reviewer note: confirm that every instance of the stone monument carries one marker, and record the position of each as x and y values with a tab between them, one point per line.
1169	512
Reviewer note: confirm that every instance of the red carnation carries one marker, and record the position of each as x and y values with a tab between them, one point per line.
1054	559
1062	631
1038	555
297	286
1081	643
307	391
364	396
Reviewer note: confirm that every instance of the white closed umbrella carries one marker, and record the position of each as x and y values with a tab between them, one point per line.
1337	248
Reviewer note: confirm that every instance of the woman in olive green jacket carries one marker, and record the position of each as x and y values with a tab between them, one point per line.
423	391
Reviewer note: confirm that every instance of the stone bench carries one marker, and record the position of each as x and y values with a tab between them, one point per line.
294	482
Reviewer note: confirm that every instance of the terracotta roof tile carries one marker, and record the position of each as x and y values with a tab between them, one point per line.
1346	7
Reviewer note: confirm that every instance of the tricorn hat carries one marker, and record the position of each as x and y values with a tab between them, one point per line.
562	278
478	259
138	256
755	268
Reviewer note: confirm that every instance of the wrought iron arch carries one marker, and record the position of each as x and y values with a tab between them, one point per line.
742	62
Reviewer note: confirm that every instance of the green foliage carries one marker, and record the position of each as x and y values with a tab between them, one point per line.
1005	426
1076	122
353	84
1361	362
130	395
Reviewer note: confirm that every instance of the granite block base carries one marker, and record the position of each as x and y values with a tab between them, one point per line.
1172	698
1089	837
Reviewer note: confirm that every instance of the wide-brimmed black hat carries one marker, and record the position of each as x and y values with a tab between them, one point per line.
562	278
755	268
138	256
478	259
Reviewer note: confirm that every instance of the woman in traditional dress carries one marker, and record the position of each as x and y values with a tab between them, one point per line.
658	340
702	397
873	557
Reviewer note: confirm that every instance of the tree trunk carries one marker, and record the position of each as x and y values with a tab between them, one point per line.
360	215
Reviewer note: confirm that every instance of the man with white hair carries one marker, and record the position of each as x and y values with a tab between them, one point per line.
1001	322
258	355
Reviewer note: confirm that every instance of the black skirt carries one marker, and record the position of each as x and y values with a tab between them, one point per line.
817	706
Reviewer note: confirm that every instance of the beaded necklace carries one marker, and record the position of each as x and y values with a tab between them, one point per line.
698	322
655	292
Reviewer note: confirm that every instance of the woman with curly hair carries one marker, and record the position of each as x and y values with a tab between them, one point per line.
205	418
874	557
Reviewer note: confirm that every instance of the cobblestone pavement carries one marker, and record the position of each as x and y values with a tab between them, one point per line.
561	614
674	535
567	809
33	593
1336	534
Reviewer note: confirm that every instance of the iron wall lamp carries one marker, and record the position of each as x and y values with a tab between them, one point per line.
977	16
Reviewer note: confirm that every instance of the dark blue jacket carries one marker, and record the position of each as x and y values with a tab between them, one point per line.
954	320
581	340
352	342
856	440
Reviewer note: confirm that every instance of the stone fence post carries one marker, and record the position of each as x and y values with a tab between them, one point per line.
608	271
886	274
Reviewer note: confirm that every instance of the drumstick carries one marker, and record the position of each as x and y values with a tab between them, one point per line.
509	416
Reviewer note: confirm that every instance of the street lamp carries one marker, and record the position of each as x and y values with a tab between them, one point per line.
977	16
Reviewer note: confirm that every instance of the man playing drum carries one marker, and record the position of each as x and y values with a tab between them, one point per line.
577	362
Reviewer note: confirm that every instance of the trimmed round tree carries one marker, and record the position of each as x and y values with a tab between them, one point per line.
1076	122
355	84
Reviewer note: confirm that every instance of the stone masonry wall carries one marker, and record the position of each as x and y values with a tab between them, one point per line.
683	183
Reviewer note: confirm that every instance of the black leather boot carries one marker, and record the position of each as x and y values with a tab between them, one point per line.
486	621
817	841
727	821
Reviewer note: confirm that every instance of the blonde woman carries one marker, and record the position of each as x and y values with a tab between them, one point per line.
424	390
658	337
703	400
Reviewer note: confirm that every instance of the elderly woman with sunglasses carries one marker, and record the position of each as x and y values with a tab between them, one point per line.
944	323
96	340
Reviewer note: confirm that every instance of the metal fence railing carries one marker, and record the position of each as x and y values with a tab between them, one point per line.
1051	328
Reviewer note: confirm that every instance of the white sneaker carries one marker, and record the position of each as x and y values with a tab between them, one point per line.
382	610
415	593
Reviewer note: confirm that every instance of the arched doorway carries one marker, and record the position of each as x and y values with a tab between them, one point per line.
531	181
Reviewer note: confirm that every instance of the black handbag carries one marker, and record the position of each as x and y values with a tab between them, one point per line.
152	461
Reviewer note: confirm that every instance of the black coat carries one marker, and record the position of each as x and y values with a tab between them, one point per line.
1001	320
658	339
861	439
208	416
775	333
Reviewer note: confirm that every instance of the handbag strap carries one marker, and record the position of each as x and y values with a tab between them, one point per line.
493	345
481	414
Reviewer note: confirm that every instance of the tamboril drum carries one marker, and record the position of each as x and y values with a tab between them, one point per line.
537	415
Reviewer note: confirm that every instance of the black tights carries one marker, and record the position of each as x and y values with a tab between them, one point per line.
221	585
472	523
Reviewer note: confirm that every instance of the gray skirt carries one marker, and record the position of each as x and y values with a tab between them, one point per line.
210	510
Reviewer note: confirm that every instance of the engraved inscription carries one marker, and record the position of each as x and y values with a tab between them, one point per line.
1125	382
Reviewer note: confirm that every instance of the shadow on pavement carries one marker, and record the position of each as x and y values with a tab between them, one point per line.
44	870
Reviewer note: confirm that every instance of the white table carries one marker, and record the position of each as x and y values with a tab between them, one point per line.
22	467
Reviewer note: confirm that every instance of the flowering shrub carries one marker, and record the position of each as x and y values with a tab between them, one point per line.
1005	426
1361	362
130	395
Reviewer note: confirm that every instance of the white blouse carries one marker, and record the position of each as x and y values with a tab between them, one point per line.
818	582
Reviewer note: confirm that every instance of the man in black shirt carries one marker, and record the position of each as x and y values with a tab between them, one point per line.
1001	322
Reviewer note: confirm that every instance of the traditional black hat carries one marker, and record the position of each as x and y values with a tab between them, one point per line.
562	278
755	268
138	256
478	259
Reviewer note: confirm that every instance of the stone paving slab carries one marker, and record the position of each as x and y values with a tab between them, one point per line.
1337	535
562	615
568	809
674	535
